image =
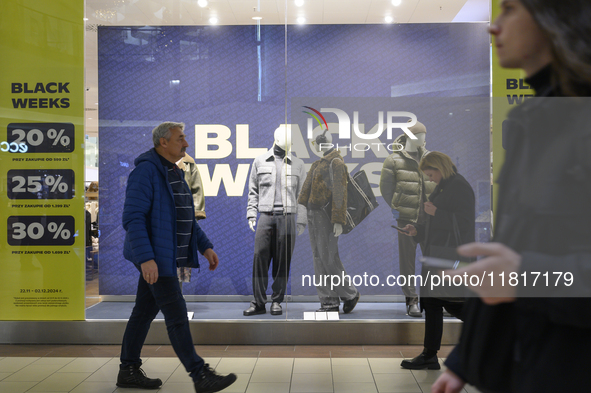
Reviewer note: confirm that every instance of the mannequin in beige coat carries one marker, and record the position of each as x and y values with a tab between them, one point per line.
193	179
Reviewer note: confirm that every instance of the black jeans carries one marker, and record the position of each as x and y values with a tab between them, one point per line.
274	240
434	319
165	294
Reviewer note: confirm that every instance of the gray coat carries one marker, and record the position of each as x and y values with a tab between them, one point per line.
262	184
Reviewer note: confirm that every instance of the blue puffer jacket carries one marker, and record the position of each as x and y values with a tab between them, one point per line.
149	219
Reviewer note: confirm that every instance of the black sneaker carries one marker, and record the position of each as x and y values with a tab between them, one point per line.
208	381
350	304
135	377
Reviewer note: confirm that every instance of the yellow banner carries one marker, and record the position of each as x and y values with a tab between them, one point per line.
508	89
42	234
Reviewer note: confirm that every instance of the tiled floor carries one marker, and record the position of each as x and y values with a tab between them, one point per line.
260	369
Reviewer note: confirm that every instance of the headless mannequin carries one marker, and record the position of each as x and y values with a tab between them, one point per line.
413	149
337	229
326	184
413	144
281	146
276	179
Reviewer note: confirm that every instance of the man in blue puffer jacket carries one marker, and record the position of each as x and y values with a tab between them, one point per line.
161	234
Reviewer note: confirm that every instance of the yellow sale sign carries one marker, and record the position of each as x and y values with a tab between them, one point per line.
42	236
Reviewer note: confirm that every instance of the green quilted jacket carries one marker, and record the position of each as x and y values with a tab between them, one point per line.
402	183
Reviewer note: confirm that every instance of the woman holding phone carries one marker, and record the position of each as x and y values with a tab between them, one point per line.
450	223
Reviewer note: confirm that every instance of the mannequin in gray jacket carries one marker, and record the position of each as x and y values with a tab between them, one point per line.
276	179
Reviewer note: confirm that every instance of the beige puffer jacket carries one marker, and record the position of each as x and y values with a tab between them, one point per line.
193	179
402	183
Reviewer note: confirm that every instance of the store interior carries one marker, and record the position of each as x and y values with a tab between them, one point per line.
282	24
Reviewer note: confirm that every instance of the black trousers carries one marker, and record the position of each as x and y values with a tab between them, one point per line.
274	241
407	253
164	295
434	319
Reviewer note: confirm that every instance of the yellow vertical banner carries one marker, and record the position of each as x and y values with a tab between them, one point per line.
508	90
42	230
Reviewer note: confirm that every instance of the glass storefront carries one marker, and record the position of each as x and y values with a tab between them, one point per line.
256	82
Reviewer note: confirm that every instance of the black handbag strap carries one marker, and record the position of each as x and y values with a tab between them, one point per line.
352	181
455	230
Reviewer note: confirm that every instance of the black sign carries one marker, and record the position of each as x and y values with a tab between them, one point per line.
41	184
41	230
42	137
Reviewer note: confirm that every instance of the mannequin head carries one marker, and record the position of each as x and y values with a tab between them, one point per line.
283	137
320	144
420	131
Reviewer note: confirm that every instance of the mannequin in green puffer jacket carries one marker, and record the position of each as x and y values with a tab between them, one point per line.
405	188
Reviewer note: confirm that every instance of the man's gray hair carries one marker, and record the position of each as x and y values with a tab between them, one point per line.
163	131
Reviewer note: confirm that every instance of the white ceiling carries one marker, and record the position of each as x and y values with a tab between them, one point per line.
240	12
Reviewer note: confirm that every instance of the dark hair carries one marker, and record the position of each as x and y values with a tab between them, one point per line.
321	138
566	24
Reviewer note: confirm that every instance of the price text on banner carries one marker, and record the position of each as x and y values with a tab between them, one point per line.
42	137
41	230
41	184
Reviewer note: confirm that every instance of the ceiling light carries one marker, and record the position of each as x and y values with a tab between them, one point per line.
104	14
389	19
213	20
84	18
202	3
109	12
301	20
257	17
299	3
396	3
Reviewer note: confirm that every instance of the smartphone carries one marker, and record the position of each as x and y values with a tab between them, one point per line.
400	229
440	263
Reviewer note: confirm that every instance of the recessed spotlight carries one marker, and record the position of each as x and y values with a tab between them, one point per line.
257	17
299	3
396	3
301	20
213	20
389	19
84	18
202	3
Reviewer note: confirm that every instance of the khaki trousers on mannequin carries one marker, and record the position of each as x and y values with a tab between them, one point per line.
325	249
